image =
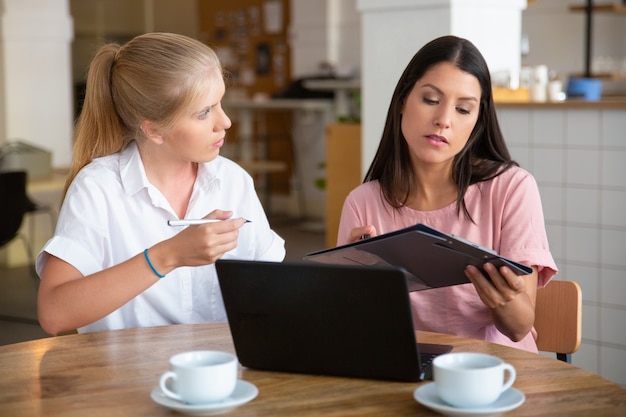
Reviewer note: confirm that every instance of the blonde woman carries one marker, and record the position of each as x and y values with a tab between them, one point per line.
147	151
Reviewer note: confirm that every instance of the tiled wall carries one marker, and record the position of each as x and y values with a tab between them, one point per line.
578	157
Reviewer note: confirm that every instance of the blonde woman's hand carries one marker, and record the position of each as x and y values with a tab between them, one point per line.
206	243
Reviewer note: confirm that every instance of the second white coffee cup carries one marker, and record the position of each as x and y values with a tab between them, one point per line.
471	380
200	377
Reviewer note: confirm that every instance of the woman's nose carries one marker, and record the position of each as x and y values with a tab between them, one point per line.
225	122
442	118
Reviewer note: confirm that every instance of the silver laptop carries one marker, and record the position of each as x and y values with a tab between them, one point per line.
340	320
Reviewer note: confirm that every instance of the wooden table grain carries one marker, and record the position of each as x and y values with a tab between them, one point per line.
113	373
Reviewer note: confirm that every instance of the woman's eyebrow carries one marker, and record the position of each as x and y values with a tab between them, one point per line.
469	98
433	87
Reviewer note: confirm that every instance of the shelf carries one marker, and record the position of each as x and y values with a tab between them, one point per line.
607	76
606	8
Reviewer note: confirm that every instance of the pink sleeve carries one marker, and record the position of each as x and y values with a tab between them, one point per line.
349	219
523	235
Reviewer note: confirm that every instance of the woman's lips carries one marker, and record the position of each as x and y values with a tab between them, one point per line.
437	139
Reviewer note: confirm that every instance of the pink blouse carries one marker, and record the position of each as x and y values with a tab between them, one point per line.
508	218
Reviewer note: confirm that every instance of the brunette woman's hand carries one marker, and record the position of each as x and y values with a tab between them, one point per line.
499	287
510	297
361	232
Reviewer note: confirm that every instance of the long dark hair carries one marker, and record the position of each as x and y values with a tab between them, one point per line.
484	156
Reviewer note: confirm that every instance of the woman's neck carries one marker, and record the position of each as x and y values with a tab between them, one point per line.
434	189
174	179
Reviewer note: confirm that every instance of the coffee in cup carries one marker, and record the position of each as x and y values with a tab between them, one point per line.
200	377
471	380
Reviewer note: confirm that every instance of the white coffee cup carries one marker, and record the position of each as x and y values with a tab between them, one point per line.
555	91
200	377
471	380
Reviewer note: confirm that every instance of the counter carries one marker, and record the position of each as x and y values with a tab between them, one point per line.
617	102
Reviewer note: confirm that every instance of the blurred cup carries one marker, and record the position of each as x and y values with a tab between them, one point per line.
539	84
538	92
540	75
555	91
471	380
200	377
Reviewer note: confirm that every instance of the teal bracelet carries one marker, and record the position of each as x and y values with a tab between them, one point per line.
145	254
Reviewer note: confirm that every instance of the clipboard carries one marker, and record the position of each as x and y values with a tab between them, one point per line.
431	259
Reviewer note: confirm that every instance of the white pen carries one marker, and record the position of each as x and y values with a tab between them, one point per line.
191	222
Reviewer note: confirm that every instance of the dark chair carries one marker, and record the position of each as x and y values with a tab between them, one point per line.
33	208
15	204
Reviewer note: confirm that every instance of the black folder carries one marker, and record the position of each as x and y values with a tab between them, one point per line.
432	258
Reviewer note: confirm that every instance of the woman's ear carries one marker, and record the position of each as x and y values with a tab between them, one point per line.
152	132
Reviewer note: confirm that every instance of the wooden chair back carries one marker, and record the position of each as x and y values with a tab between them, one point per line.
558	318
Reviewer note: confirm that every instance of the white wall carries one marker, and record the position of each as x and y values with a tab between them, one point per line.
324	31
36	101
345	27
308	37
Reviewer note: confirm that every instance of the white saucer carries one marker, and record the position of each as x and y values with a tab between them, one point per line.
244	392
509	400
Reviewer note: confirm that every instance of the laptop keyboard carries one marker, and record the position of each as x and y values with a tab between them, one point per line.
426	365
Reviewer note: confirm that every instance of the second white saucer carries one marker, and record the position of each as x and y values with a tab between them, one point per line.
509	400
244	392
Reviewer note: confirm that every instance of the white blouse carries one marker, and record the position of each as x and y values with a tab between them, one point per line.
111	213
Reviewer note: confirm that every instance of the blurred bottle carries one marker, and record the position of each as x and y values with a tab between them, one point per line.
539	83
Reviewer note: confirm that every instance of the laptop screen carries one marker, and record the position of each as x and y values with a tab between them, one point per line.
341	320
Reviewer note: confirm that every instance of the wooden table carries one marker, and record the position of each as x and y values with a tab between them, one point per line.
112	374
